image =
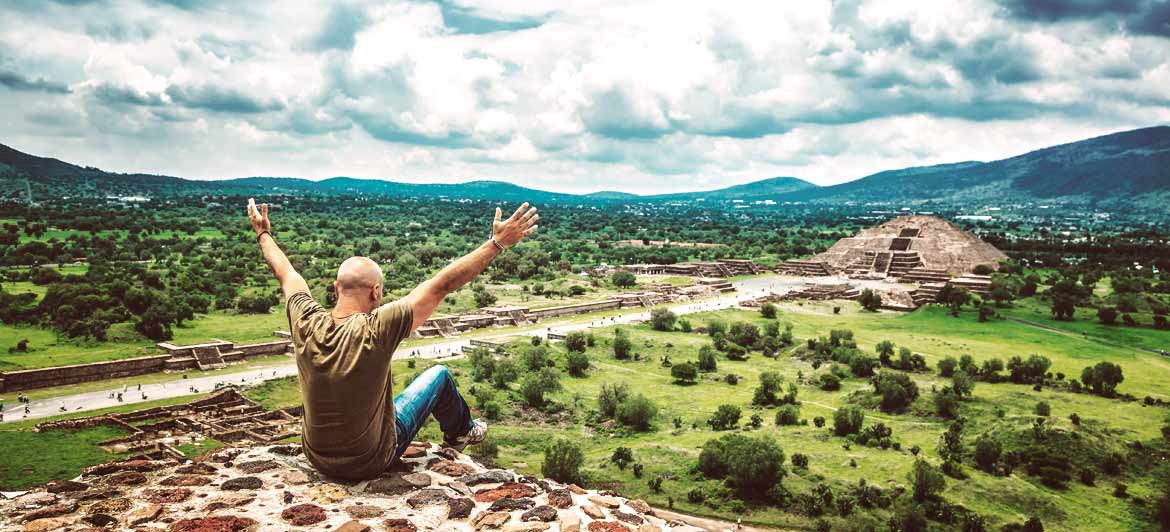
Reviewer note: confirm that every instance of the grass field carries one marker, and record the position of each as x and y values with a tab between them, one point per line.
32	458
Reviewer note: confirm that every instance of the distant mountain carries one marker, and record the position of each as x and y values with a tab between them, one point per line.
1121	167
1126	169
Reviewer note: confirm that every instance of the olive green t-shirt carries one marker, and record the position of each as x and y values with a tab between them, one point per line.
348	427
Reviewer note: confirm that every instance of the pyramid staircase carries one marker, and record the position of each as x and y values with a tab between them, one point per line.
208	357
519	317
810	268
902	262
647	301
446	327
862	266
881	263
926	275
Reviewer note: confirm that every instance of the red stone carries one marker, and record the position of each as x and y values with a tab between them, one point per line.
185	480
141	466
167	495
607	526
511	490
126	478
399	525
303	514
219	523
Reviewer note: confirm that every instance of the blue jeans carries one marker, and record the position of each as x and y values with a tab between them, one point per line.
433	392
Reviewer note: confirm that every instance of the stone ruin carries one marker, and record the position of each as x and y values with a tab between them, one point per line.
719	268
914	248
272	488
225	416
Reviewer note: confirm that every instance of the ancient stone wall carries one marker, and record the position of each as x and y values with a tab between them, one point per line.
578	308
96	371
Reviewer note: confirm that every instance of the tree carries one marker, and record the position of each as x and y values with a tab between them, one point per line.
562	462
897	390
926	481
768	310
576	363
768	392
637	412
623	279
946	403
574	341
788	415
986	312
1107	315
506	372
1063	306
1102	378
535	385
255	303
725	417
752	466
536	358
622	457
706	360
621	344
946	366
483	298
610	397
1042	409
685	373
987	453
830	382
662	319
870	300
885	350
744	334
848	420
963	385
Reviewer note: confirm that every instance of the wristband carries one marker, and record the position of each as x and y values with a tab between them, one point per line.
262	233
496	243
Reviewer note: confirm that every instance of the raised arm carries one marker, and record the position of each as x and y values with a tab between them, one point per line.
505	233
291	282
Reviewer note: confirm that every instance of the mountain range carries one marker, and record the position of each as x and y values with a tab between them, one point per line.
1121	169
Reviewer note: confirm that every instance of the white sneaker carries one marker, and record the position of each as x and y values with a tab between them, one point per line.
477	434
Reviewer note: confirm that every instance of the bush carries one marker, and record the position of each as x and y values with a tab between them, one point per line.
1107	315
848	420
716	327
1042	409
768	310
610	396
946	367
1102	378
830	382
536	358
505	373
752	466
684	325
725	417
685	373
870	300
800	460
736	352
535	385
819	421
788	415
768	392
926	481
637	412
744	334
662	319
896	389
622	457
706	359
946	404
621	344
562	462
574	342
576	363
731	379
987	453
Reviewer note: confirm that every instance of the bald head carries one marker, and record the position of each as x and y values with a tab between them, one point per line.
358	273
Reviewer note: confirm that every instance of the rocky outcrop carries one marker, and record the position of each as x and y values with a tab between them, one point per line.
272	488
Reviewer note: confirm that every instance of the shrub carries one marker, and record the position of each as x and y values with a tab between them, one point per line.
755	421
562	462
788	415
662	319
716	327
1102	378
896	389
725	417
736	352
768	310
575	341
946	367
800	460
576	363
744	334
819	421
731	379
926	481
987	453
535	385
685	373
610	396
536	358
1107	315
848	420
946	404
684	325
1042	409
870	300
706	359
483	363
637	412
505	373
621	344
622	457
830	382
751	466
768	392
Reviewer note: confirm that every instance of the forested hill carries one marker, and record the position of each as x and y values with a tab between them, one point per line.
1124	169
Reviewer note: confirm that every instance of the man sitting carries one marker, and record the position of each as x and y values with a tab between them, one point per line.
353	427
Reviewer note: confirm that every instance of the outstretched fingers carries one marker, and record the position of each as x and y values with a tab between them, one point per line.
528	215
529	222
264	210
531	230
519	211
499	213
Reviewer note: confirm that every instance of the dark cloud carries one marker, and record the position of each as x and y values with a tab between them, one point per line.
344	21
1148	17
54	117
236	49
20	82
466	20
996	58
613	113
116	30
117	94
221	99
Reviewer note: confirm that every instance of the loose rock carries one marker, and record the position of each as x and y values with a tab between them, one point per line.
510	490
508	504
185	480
459	508
219	523
490	519
628	518
242	483
303	514
543	513
570	523
125	478
353	526
495	476
256	466
166	496
607	526
364	511
65	486
397	484
144	514
560	498
430	497
399	525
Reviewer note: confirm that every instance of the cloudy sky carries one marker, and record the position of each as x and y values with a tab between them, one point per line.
583	96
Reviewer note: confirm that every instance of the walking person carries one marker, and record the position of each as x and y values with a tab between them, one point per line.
353	426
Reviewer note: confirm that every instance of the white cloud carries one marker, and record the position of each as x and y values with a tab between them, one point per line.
576	96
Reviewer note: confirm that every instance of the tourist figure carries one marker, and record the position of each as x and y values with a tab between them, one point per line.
343	355
119	397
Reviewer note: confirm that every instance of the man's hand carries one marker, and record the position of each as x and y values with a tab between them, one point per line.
259	216
511	231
